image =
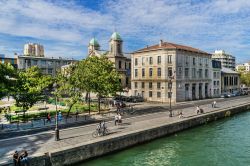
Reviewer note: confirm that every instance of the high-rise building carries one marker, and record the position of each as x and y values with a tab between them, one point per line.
168	71
227	60
33	49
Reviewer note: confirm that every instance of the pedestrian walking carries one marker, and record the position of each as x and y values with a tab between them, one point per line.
116	119
214	103
180	115
198	110
60	116
15	159
48	118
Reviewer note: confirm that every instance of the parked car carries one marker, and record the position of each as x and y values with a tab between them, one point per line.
225	95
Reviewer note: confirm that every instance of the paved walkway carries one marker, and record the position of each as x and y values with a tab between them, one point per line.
44	142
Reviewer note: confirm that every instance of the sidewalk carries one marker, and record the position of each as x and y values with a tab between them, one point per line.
44	142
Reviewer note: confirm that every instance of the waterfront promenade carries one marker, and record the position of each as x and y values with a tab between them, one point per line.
41	143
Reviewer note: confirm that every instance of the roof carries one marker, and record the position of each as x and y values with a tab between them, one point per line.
94	42
116	36
167	45
228	71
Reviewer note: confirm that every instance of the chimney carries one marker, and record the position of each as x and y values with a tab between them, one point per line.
160	43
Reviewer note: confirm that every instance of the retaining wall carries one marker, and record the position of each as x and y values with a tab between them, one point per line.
69	156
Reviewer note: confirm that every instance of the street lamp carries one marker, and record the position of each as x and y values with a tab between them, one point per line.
170	83
56	129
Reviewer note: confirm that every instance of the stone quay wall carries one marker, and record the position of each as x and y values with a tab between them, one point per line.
109	144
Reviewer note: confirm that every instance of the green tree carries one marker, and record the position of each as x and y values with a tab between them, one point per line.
7	77
68	86
245	78
98	75
30	87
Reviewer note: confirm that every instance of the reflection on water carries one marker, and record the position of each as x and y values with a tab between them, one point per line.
222	143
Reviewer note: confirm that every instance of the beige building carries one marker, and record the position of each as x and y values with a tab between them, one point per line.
33	49
167	67
245	67
115	54
230	81
227	60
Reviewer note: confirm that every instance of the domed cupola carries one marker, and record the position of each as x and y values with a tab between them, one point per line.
93	45
116	36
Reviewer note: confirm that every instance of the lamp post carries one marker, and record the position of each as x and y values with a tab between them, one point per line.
56	129
170	83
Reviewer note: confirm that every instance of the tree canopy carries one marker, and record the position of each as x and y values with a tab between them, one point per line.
30	87
98	75
7	77
245	78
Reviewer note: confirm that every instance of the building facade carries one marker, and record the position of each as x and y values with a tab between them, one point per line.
170	71
227	60
216	78
33	49
47	65
115	54
5	60
230	81
245	67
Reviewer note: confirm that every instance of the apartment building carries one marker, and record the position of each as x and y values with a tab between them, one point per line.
216	78
171	71
230	81
33	49
46	64
227	60
245	67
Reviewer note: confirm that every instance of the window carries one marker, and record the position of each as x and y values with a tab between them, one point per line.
170	72
158	85
136	61
200	73
142	85
193	72
218	82
120	64
186	60
186	72
206	73
43	62
135	84
150	94
150	60
50	71
180	71
150	85
119	48
159	72
142	61
169	58
35	62
127	80
194	61
136	72
214	83
200	61
159	59
129	66
150	72
158	94
143	72
214	74
125	65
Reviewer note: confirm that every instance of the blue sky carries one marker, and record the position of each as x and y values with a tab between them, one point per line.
65	27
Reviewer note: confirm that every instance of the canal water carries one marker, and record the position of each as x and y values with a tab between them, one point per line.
224	142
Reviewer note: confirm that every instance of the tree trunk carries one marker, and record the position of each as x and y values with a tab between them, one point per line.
89	102
99	104
70	107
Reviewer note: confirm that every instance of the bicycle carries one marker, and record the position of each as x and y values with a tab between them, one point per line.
100	132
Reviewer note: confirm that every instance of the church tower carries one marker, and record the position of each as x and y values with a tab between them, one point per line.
93	45
115	44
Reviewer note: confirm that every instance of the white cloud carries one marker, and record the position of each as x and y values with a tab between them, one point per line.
209	25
